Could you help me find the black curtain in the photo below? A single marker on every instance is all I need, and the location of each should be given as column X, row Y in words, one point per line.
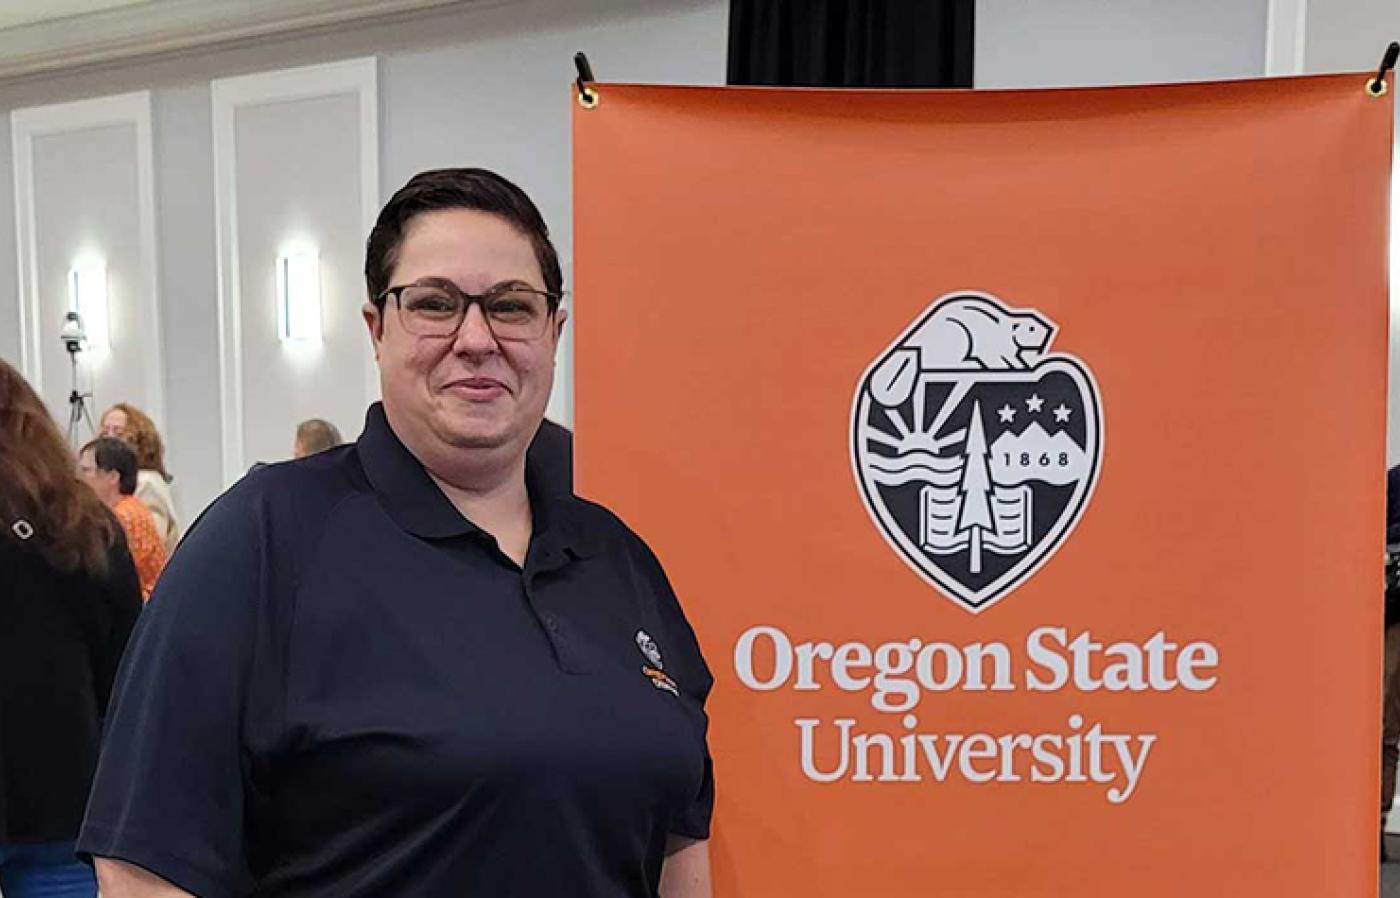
column 851, row 43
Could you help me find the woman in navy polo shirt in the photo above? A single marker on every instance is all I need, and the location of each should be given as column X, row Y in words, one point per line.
column 407, row 667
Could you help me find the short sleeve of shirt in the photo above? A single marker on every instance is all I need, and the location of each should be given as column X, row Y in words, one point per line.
column 693, row 676
column 171, row 789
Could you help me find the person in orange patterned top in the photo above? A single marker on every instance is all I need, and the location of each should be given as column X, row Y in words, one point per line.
column 109, row 467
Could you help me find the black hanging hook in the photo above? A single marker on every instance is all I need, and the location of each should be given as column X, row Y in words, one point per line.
column 587, row 96
column 1376, row 86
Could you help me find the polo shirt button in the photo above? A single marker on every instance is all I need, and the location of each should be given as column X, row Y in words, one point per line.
column 552, row 623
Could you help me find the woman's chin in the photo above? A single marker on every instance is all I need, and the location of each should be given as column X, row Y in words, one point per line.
column 472, row 432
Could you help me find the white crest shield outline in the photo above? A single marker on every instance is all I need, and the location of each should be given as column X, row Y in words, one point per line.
column 963, row 376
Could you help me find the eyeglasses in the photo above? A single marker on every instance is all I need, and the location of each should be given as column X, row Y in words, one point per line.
column 437, row 308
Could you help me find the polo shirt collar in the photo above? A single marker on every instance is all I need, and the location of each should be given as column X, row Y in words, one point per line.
column 559, row 523
column 416, row 504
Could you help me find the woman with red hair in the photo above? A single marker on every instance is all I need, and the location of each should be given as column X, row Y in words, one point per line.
column 134, row 427
column 69, row 597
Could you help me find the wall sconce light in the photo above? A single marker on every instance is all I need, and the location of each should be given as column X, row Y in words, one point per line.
column 299, row 296
column 87, row 295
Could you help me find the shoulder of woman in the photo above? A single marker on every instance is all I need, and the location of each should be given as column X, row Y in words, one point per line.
column 147, row 479
column 154, row 491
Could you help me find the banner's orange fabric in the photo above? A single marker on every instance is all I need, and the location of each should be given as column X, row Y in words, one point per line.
column 768, row 279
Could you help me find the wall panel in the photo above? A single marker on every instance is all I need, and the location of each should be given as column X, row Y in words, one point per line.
column 84, row 195
column 296, row 171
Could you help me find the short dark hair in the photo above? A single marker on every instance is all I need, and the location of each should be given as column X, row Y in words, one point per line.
column 456, row 188
column 111, row 454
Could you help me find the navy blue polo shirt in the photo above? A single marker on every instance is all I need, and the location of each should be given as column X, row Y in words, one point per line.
column 341, row 687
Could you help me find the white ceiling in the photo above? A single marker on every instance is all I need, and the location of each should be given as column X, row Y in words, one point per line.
column 23, row 12
column 39, row 37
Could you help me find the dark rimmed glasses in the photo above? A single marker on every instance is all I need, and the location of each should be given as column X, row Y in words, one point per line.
column 436, row 308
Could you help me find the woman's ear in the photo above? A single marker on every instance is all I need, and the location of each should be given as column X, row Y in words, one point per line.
column 374, row 323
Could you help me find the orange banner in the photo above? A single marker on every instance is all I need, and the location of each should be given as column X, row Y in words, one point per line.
column 1018, row 459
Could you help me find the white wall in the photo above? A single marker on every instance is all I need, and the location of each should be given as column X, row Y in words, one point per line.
column 185, row 211
column 85, row 197
column 296, row 172
column 1350, row 36
column 1045, row 43
column 9, row 299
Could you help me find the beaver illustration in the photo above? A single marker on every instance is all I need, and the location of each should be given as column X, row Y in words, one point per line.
column 970, row 332
column 963, row 333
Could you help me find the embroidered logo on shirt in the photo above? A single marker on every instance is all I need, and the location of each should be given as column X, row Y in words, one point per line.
column 661, row 681
column 649, row 649
column 653, row 670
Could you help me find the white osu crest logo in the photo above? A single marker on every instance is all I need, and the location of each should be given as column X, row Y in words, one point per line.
column 975, row 448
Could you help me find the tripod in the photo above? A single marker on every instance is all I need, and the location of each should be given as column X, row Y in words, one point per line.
column 77, row 401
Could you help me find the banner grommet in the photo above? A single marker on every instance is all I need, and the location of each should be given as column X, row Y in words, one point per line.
column 1377, row 86
column 587, row 94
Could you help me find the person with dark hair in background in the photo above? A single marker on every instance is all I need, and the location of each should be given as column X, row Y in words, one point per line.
column 315, row 435
column 406, row 666
column 1390, row 684
column 109, row 467
column 134, row 427
column 68, row 599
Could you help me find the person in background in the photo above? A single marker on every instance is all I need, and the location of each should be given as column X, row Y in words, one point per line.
column 68, row 600
column 315, row 435
column 1390, row 687
column 128, row 423
column 109, row 467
